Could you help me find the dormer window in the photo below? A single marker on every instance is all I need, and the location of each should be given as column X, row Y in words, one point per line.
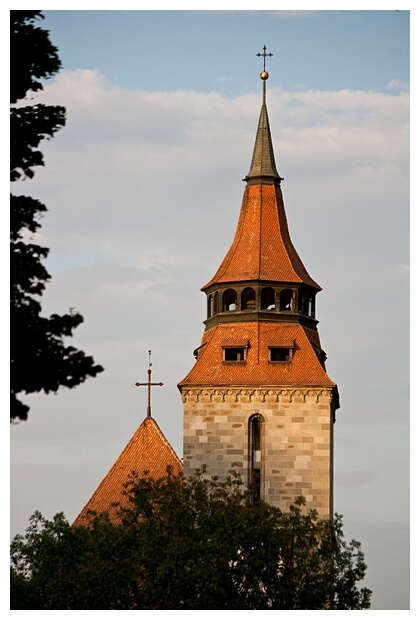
column 234, row 354
column 280, row 354
column 281, row 351
column 235, row 350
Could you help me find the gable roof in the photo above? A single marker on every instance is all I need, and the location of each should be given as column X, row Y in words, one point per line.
column 148, row 450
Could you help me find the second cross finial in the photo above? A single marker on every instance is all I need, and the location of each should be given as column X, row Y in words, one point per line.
column 149, row 385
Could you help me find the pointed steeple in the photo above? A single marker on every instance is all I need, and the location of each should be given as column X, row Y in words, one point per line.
column 263, row 164
column 262, row 252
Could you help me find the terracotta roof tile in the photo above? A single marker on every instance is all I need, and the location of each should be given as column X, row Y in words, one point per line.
column 148, row 450
column 262, row 248
column 304, row 369
column 235, row 342
column 280, row 342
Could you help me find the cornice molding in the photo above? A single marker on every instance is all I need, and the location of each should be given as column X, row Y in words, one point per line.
column 255, row 394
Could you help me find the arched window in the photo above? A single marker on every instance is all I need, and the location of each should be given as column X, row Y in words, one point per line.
column 311, row 307
column 286, row 297
column 255, row 434
column 268, row 301
column 209, row 306
column 248, row 299
column 229, row 300
column 303, row 303
column 216, row 303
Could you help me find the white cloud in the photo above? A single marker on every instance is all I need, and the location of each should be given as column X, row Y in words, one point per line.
column 134, row 148
column 397, row 85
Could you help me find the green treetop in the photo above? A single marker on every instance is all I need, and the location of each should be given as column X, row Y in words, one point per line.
column 189, row 544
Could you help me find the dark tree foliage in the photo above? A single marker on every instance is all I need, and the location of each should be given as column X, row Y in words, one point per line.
column 40, row 360
column 189, row 544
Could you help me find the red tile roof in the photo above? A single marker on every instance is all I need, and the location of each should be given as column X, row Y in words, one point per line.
column 148, row 450
column 262, row 248
column 305, row 368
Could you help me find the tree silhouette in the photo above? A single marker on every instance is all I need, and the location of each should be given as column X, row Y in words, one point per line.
column 189, row 544
column 40, row 360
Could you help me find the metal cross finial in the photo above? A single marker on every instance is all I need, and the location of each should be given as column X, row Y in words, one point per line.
column 264, row 54
column 149, row 385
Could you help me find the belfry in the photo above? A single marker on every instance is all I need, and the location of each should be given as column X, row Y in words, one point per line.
column 258, row 400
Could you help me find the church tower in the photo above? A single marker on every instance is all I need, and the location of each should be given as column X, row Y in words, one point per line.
column 258, row 400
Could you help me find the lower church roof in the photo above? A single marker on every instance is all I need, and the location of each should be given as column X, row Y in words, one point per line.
column 147, row 451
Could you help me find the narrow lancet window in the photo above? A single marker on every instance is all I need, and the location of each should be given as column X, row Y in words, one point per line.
column 255, row 455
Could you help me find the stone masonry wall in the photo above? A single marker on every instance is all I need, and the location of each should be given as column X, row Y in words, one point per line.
column 297, row 440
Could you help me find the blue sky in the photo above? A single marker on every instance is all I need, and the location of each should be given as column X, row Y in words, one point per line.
column 143, row 188
column 216, row 54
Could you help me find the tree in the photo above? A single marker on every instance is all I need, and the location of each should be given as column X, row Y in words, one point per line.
column 189, row 544
column 40, row 359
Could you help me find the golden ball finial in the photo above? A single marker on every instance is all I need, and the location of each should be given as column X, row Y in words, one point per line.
column 264, row 75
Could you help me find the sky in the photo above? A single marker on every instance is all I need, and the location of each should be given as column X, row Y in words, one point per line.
column 143, row 188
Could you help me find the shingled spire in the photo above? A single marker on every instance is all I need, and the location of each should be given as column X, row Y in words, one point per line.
column 262, row 252
column 263, row 165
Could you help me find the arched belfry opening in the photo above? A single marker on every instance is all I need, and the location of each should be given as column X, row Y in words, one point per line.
column 286, row 298
column 248, row 299
column 268, row 300
column 230, row 297
column 216, row 303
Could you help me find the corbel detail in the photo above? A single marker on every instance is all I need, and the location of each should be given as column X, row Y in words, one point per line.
column 254, row 393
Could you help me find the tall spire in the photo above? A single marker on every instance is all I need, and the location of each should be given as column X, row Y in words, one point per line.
column 262, row 250
column 263, row 165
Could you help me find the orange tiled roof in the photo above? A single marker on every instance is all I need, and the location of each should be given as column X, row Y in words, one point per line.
column 262, row 248
column 304, row 370
column 148, row 450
